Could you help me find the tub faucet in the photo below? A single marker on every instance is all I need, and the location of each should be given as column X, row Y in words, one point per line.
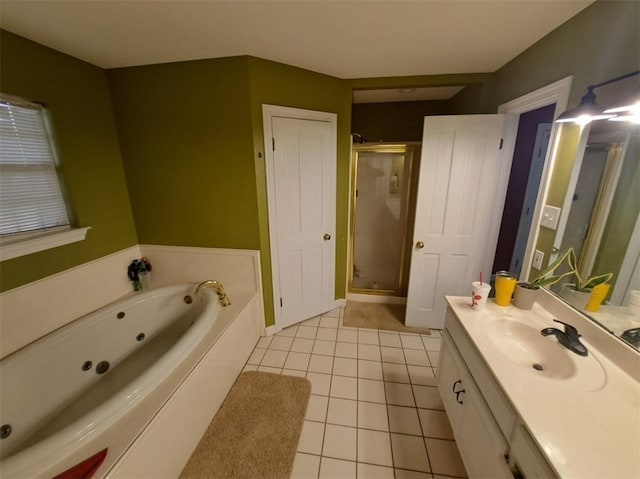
column 218, row 288
column 569, row 338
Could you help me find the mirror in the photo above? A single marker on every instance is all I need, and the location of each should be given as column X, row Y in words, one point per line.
column 599, row 217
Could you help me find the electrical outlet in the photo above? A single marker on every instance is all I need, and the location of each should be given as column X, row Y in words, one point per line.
column 538, row 258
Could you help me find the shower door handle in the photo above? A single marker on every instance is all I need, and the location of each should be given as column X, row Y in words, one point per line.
column 419, row 245
column 326, row 237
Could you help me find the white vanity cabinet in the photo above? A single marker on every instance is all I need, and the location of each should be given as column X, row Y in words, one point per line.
column 492, row 441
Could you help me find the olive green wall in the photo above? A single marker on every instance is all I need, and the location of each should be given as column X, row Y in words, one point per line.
column 278, row 84
column 76, row 95
column 599, row 43
column 186, row 140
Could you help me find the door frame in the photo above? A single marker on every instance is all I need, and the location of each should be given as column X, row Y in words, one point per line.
column 557, row 92
column 269, row 112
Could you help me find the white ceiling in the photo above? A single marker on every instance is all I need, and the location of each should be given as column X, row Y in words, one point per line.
column 346, row 39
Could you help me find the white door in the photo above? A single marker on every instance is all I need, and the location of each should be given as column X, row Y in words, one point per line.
column 461, row 194
column 302, row 217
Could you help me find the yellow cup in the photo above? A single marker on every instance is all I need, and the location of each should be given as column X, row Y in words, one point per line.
column 505, row 285
column 597, row 297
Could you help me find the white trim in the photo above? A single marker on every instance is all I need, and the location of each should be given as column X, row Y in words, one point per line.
column 629, row 268
column 340, row 303
column 268, row 112
column 270, row 330
column 558, row 93
column 24, row 244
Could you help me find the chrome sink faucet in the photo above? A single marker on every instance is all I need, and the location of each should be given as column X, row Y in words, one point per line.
column 218, row 288
column 569, row 338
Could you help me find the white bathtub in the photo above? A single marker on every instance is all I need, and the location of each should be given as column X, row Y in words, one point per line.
column 61, row 411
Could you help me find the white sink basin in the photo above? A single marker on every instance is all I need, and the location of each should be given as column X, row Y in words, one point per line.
column 543, row 357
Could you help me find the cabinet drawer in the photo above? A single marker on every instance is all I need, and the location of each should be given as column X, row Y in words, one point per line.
column 500, row 407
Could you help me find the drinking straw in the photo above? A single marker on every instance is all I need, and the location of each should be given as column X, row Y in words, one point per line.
column 480, row 278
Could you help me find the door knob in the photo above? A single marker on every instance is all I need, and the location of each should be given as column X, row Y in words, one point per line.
column 327, row 236
column 419, row 245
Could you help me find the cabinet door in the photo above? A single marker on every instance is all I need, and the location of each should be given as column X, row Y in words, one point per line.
column 479, row 439
column 450, row 373
column 481, row 444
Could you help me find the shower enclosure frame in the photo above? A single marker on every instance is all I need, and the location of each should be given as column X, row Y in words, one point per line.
column 411, row 150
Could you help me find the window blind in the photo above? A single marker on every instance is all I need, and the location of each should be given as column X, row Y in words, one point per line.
column 30, row 195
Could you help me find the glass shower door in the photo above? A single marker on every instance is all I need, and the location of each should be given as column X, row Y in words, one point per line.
column 380, row 217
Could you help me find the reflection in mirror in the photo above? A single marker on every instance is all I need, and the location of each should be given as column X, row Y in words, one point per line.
column 600, row 220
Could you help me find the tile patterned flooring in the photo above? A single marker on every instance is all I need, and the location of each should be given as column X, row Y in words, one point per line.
column 374, row 411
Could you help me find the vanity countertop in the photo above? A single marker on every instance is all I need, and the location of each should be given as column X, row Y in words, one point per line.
column 587, row 423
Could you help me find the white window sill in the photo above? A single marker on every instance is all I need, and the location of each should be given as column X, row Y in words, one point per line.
column 24, row 244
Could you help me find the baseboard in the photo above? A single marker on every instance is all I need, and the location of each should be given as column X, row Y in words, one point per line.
column 270, row 330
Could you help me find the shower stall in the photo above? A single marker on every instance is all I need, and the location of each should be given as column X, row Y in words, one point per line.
column 382, row 211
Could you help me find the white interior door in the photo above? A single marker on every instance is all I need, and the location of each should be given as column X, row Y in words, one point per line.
column 302, row 216
column 461, row 194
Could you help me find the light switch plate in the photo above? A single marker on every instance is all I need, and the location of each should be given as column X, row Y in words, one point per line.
column 538, row 258
column 550, row 217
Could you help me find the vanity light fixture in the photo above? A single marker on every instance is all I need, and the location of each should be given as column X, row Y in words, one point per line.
column 589, row 110
column 626, row 113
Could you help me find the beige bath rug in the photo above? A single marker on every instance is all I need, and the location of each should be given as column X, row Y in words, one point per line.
column 378, row 316
column 256, row 431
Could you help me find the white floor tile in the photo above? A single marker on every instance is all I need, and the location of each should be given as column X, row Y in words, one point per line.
column 404, row 420
column 327, row 334
column 339, row 442
column 399, row 394
column 320, row 383
column 305, row 466
column 256, row 356
column 374, row 447
column 311, row 437
column 421, row 375
column 369, row 369
column 302, row 345
column 411, row 342
column 373, row 416
column 417, row 357
column 395, row 372
column 445, row 458
column 298, row 361
column 317, row 408
column 393, row 355
column 371, row 390
column 337, row 469
column 329, row 321
column 294, row 372
column 434, row 357
column 308, row 332
column 274, row 358
column 269, row 369
column 390, row 339
column 348, row 335
column 334, row 313
column 288, row 332
column 315, row 321
column 346, row 350
column 370, row 352
column 345, row 367
column 326, row 348
column 321, row 364
column 342, row 412
column 281, row 343
column 432, row 343
column 404, row 474
column 435, row 424
column 344, row 387
column 369, row 471
column 427, row 397
column 409, row 452
column 368, row 337
column 264, row 342
column 250, row 367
